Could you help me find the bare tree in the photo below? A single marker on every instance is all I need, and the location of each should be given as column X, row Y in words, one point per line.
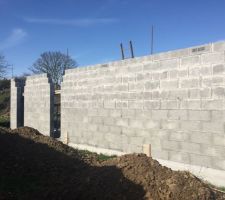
column 53, row 63
column 3, row 66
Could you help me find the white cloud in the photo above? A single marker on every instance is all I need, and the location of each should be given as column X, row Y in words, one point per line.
column 72, row 22
column 16, row 37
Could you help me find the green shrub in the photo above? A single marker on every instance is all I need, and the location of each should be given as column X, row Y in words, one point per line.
column 4, row 121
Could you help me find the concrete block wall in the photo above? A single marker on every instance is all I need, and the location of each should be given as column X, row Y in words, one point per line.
column 174, row 101
column 16, row 103
column 38, row 103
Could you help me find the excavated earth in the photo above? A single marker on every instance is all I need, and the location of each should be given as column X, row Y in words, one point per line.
column 33, row 166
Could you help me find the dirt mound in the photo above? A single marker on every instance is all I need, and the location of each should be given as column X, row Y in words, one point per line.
column 161, row 182
column 34, row 166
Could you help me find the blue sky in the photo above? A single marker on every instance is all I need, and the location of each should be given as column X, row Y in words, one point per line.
column 93, row 29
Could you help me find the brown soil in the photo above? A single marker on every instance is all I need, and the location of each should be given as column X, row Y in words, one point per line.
column 33, row 166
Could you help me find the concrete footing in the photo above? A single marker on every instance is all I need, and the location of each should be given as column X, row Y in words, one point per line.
column 213, row 176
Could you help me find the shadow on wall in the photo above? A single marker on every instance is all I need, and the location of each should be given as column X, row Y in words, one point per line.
column 30, row 170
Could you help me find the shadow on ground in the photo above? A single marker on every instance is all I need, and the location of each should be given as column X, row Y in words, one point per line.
column 31, row 170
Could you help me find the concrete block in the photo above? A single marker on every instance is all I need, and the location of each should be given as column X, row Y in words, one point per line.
column 178, row 114
column 164, row 94
column 218, row 80
column 191, row 104
column 136, row 86
column 189, row 147
column 135, row 104
column 140, row 76
column 147, row 76
column 164, row 75
column 171, row 64
column 121, row 104
column 136, row 123
column 97, row 120
column 155, row 76
column 213, row 127
column 190, row 126
column 171, row 84
column 218, row 140
column 218, row 92
column 122, row 122
column 173, row 74
column 128, row 113
column 170, row 145
column 201, row 138
column 194, row 93
column 92, row 127
column 150, row 124
column 159, row 114
column 103, row 112
column 127, row 132
column 137, row 141
column 215, row 151
column 151, row 66
column 115, row 113
column 217, row 115
column 213, row 58
column 151, row 85
column 206, row 70
column 179, row 136
column 183, row 73
column 128, row 79
column 92, row 112
column 190, row 61
column 178, row 156
column 218, row 164
column 194, row 71
column 153, row 104
column 169, row 104
column 189, row 83
column 155, row 95
column 135, row 68
column 147, row 95
column 212, row 104
column 199, row 115
column 116, row 130
column 205, row 93
column 109, row 104
column 201, row 160
column 109, row 121
column 219, row 69
column 103, row 129
column 143, row 114
column 121, row 87
column 178, row 94
column 170, row 125
column 171, row 54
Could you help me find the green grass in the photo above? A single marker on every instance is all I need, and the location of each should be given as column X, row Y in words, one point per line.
column 103, row 157
column 221, row 188
column 4, row 121
column 100, row 157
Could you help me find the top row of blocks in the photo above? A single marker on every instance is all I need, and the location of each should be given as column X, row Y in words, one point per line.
column 197, row 50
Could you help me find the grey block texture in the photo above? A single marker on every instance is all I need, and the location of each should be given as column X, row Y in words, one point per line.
column 38, row 103
column 173, row 101
column 16, row 103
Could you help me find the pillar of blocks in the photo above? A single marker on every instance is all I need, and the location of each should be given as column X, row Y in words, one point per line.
column 16, row 103
column 39, row 103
